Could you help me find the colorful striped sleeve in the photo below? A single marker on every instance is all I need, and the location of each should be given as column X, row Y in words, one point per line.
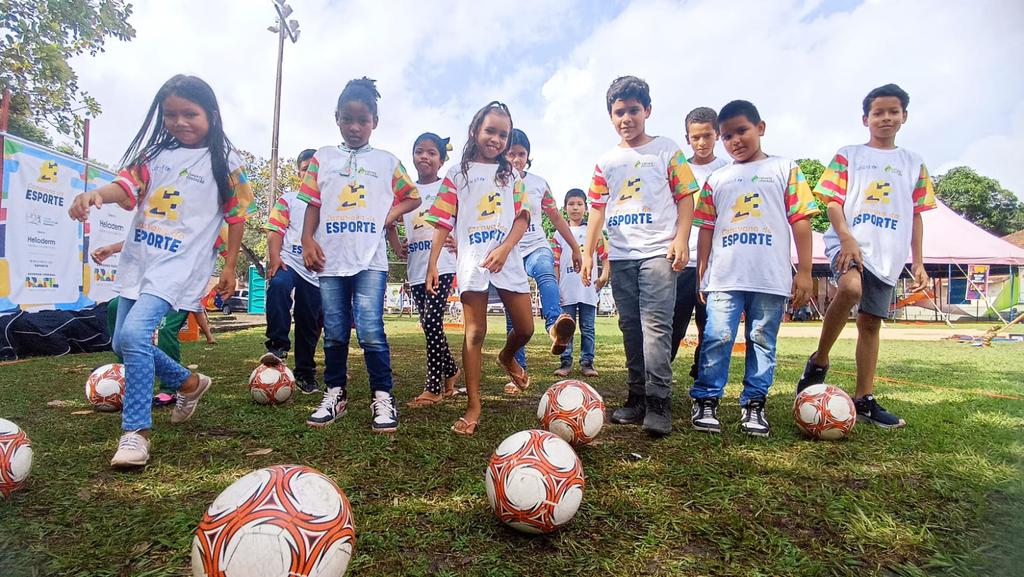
column 924, row 192
column 239, row 205
column 556, row 247
column 520, row 198
column 309, row 192
column 602, row 247
column 547, row 202
column 598, row 189
column 681, row 180
column 402, row 185
column 442, row 213
column 134, row 179
column 799, row 199
column 832, row 184
column 221, row 244
column 705, row 215
column 280, row 217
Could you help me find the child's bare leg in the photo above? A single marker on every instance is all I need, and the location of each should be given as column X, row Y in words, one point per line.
column 519, row 310
column 868, row 328
column 837, row 314
column 474, row 312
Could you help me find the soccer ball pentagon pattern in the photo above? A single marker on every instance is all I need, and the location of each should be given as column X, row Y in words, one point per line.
column 15, row 457
column 534, row 481
column 824, row 412
column 271, row 385
column 104, row 389
column 280, row 521
column 573, row 410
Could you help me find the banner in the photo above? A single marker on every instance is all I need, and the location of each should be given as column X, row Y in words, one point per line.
column 977, row 285
column 106, row 225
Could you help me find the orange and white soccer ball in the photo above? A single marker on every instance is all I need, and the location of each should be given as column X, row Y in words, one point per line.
column 281, row 521
column 824, row 412
column 534, row 481
column 15, row 457
column 573, row 410
column 104, row 389
column 271, row 385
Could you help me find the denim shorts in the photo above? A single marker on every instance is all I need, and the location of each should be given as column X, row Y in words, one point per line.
column 875, row 294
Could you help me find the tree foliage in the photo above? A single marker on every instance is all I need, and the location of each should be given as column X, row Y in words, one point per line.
column 981, row 200
column 812, row 170
column 37, row 38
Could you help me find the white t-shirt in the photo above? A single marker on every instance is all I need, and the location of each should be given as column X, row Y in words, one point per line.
column 419, row 235
column 639, row 188
column 286, row 219
column 570, row 283
column 701, row 172
column 481, row 211
column 880, row 191
column 750, row 208
column 354, row 189
column 540, row 200
column 169, row 251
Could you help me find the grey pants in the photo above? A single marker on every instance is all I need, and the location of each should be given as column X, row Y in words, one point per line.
column 645, row 295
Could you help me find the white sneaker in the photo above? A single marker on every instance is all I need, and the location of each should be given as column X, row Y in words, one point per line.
column 333, row 407
column 385, row 413
column 185, row 404
column 132, row 451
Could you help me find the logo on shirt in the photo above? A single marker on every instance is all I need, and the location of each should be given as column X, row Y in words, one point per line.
column 363, row 172
column 351, row 196
column 420, row 221
column 48, row 171
column 192, row 177
column 489, row 205
column 764, row 179
column 878, row 192
column 746, row 205
column 629, row 189
column 164, row 203
column 892, row 170
column 643, row 164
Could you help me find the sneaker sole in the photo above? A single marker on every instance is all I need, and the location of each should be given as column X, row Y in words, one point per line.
column 388, row 430
column 177, row 419
column 863, row 419
column 757, row 433
column 128, row 464
column 615, row 421
column 707, row 428
column 309, row 392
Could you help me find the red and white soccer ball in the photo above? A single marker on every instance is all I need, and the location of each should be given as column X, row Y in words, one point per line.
column 573, row 410
column 15, row 457
column 104, row 389
column 824, row 412
column 271, row 385
column 281, row 521
column 534, row 481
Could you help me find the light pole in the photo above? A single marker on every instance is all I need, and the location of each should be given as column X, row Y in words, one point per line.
column 281, row 28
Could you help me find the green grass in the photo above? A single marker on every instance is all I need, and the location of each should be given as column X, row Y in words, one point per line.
column 942, row 497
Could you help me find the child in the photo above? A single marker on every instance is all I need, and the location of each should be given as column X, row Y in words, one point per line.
column 287, row 273
column 745, row 213
column 429, row 153
column 875, row 194
column 538, row 259
column 640, row 184
column 484, row 202
column 701, row 134
column 190, row 179
column 353, row 192
column 578, row 300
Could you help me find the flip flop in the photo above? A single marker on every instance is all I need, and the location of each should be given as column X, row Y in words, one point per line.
column 468, row 428
column 421, row 401
column 456, row 392
column 517, row 383
column 561, row 333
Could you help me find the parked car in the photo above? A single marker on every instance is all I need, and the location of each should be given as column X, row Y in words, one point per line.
column 238, row 302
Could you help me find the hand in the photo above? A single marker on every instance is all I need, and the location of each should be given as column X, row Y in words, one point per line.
column 450, row 244
column 802, row 286
column 102, row 253
column 226, row 285
column 921, row 279
column 402, row 250
column 83, row 202
column 577, row 258
column 599, row 284
column 495, row 260
column 275, row 264
column 678, row 253
column 432, row 280
column 585, row 268
column 849, row 256
column 702, row 297
column 312, row 255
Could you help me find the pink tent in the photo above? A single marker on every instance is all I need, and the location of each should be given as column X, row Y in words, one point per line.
column 817, row 249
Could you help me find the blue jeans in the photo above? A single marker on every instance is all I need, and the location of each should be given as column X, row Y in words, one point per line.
column 133, row 341
column 584, row 315
column 359, row 297
column 763, row 317
column 540, row 266
column 308, row 315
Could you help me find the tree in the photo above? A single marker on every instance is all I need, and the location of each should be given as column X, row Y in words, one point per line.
column 813, row 170
column 981, row 200
column 37, row 38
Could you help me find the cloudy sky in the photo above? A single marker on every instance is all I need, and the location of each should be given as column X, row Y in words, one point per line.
column 805, row 64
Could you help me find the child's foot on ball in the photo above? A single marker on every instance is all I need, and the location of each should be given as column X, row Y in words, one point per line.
column 186, row 402
column 274, row 357
column 132, row 451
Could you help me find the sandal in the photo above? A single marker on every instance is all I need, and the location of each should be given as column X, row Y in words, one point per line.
column 468, row 428
column 450, row 390
column 421, row 401
column 561, row 333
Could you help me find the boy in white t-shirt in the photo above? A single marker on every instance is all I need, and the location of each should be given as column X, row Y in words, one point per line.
column 745, row 214
column 578, row 301
column 287, row 273
column 875, row 194
column 701, row 134
column 641, row 185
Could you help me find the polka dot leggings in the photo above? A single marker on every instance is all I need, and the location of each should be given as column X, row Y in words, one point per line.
column 440, row 363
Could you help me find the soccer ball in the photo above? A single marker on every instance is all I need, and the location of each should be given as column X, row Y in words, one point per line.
column 104, row 389
column 281, row 521
column 824, row 412
column 534, row 482
column 15, row 457
column 271, row 385
column 573, row 410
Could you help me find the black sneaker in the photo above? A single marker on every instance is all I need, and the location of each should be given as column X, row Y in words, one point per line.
column 632, row 413
column 307, row 384
column 333, row 407
column 385, row 413
column 704, row 415
column 658, row 418
column 753, row 421
column 813, row 375
column 274, row 357
column 869, row 411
